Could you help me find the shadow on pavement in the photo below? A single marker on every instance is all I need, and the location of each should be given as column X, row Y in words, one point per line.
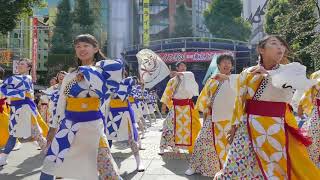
column 121, row 145
column 26, row 168
column 128, row 176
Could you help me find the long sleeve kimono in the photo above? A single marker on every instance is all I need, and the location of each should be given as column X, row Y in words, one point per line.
column 182, row 124
column 121, row 121
column 310, row 103
column 137, row 95
column 150, row 102
column 267, row 143
column 52, row 94
column 24, row 116
column 211, row 147
column 136, row 105
column 308, row 97
column 74, row 149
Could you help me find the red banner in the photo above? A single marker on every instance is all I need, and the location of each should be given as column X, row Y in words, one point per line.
column 204, row 56
column 34, row 48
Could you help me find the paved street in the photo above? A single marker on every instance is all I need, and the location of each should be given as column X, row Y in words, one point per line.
column 25, row 164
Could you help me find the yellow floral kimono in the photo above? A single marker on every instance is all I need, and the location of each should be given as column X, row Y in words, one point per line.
column 211, row 147
column 182, row 124
column 267, row 143
column 307, row 100
column 310, row 103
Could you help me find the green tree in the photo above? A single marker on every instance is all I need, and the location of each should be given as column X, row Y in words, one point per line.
column 83, row 18
column 313, row 49
column 223, row 19
column 183, row 26
column 11, row 12
column 62, row 33
column 276, row 9
column 297, row 25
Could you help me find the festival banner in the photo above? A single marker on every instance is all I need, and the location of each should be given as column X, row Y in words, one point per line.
column 146, row 23
column 203, row 56
column 152, row 69
column 34, row 48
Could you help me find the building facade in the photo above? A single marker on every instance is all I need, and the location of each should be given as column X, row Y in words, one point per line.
column 254, row 12
column 100, row 12
column 121, row 25
column 18, row 42
column 162, row 17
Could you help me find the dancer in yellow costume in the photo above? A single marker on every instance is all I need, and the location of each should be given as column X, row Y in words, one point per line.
column 265, row 141
column 216, row 102
column 4, row 116
column 182, row 125
column 310, row 105
column 4, row 123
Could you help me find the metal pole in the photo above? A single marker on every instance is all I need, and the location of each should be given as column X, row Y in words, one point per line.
column 235, row 58
column 8, row 40
column 21, row 38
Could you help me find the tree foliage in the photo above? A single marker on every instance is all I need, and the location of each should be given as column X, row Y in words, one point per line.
column 183, row 20
column 83, row 18
column 62, row 32
column 11, row 12
column 223, row 19
column 276, row 9
column 296, row 21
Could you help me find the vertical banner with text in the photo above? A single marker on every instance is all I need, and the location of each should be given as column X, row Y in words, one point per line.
column 146, row 23
column 34, row 48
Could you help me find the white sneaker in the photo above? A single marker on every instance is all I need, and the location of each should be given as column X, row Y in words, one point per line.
column 189, row 172
column 140, row 168
column 17, row 146
column 3, row 159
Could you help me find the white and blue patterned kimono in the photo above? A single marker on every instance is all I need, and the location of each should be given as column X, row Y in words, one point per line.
column 137, row 105
column 74, row 149
column 150, row 102
column 153, row 100
column 121, row 115
column 145, row 106
column 52, row 94
column 23, row 108
column 137, row 94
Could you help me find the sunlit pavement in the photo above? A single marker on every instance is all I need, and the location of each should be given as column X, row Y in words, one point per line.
column 26, row 163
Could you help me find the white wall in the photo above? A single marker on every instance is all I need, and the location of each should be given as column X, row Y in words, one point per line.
column 250, row 6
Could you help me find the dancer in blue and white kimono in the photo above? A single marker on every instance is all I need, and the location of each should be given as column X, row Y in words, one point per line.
column 121, row 121
column 137, row 94
column 44, row 100
column 144, row 103
column 151, row 105
column 80, row 145
column 137, row 108
column 52, row 94
column 18, row 89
